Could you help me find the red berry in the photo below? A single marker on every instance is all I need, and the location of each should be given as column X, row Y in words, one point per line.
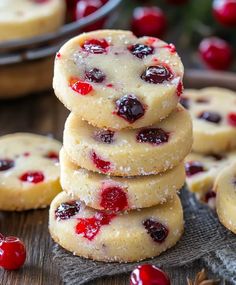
column 6, row 164
column 88, row 7
column 32, row 177
column 102, row 165
column 225, row 12
column 216, row 53
column 83, row 88
column 149, row 21
column 114, row 198
column 232, row 119
column 53, row 155
column 148, row 274
column 95, row 46
column 12, row 253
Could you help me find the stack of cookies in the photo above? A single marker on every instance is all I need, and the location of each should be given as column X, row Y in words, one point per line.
column 124, row 145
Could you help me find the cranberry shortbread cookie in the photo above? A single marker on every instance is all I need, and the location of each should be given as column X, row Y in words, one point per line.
column 129, row 152
column 118, row 194
column 202, row 170
column 114, row 80
column 29, row 171
column 28, row 18
column 213, row 112
column 225, row 188
column 120, row 237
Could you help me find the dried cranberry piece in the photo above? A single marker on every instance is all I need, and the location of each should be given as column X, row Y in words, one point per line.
column 53, row 155
column 209, row 195
column 156, row 230
column 83, row 88
column 129, row 108
column 6, row 164
column 212, row 117
column 184, row 101
column 140, row 50
column 113, row 198
column 202, row 101
column 105, row 136
column 232, row 119
column 153, row 136
column 32, row 177
column 96, row 46
column 156, row 74
column 95, row 75
column 217, row 157
column 67, row 210
column 102, row 165
column 193, row 167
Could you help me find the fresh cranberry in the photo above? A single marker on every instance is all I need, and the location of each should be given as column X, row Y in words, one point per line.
column 95, row 75
column 156, row 74
column 83, row 88
column 149, row 21
column 212, row 117
column 232, row 119
column 156, row 230
column 180, row 88
column 104, row 136
column 6, row 164
column 210, row 195
column 67, row 210
column 177, row 2
column 225, row 12
column 184, row 101
column 193, row 167
column 32, row 177
column 52, row 155
column 154, row 136
column 140, row 50
column 96, row 46
column 12, row 253
column 216, row 53
column 148, row 274
column 102, row 165
column 114, row 198
column 90, row 227
column 129, row 108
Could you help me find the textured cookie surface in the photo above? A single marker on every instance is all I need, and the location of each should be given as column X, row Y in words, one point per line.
column 129, row 152
column 225, row 188
column 29, row 171
column 123, row 237
column 114, row 80
column 214, row 119
column 202, row 170
column 117, row 194
column 28, row 18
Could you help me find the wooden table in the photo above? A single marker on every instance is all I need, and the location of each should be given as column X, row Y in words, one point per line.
column 44, row 114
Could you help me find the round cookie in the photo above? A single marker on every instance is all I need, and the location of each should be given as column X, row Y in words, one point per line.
column 114, row 80
column 129, row 152
column 29, row 171
column 13, row 81
column 214, row 119
column 28, row 18
column 119, row 194
column 119, row 237
column 225, row 187
column 202, row 170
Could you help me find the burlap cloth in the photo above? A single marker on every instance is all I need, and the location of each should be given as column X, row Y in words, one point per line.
column 204, row 238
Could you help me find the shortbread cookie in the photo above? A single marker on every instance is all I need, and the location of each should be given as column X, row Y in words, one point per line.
column 225, row 188
column 214, row 119
column 13, row 81
column 117, row 194
column 28, row 18
column 120, row 237
column 202, row 170
column 114, row 80
column 129, row 152
column 29, row 171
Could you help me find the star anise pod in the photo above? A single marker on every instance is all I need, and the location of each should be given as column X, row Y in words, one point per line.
column 202, row 279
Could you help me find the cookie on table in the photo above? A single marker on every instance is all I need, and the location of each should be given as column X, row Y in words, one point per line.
column 115, row 80
column 214, row 118
column 29, row 171
column 28, row 18
column 128, row 152
column 225, row 187
column 202, row 170
column 119, row 237
column 118, row 194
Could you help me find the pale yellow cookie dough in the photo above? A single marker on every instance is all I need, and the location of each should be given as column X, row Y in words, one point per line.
column 29, row 171
column 113, row 193
column 122, row 77
column 212, row 137
column 225, row 187
column 126, row 156
column 28, row 18
column 122, row 238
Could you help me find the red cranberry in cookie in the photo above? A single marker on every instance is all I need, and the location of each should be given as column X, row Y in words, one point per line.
column 6, row 164
column 153, row 136
column 104, row 136
column 95, row 75
column 141, row 50
column 96, row 46
column 156, row 230
column 156, row 74
column 113, row 198
column 67, row 210
column 103, row 165
column 231, row 118
column 193, row 167
column 32, row 177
